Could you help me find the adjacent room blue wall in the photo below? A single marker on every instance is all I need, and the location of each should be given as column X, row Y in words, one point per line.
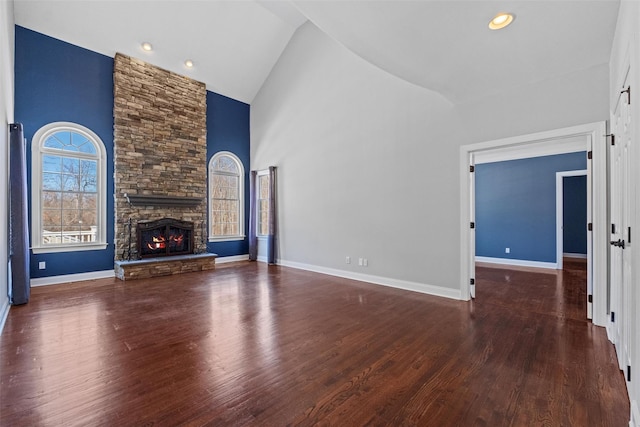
column 58, row 81
column 228, row 130
column 575, row 214
column 516, row 206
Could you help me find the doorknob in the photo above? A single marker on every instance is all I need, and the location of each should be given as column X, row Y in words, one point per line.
column 619, row 243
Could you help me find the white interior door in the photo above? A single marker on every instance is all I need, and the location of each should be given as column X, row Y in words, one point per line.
column 615, row 261
column 622, row 317
column 472, row 233
column 625, row 148
column 589, row 225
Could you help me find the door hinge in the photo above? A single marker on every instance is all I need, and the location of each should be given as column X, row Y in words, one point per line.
column 613, row 229
column 628, row 373
column 590, row 298
column 589, row 155
column 472, row 225
column 629, row 235
column 628, row 92
column 613, row 316
column 472, row 281
column 472, row 168
column 590, row 227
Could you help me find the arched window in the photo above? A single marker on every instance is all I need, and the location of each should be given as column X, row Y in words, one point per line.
column 226, row 197
column 68, row 189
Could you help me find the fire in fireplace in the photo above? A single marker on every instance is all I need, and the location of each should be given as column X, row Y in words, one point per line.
column 164, row 237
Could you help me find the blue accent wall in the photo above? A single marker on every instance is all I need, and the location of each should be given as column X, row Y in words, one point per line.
column 56, row 81
column 516, row 206
column 574, row 213
column 228, row 130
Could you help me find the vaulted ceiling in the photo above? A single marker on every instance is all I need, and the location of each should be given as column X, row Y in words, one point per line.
column 443, row 46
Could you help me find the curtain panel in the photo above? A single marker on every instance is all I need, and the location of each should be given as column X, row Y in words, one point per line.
column 19, row 274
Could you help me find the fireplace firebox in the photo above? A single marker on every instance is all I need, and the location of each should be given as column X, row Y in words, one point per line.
column 164, row 237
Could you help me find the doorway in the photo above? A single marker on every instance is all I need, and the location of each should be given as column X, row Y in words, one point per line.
column 571, row 215
column 572, row 235
column 588, row 138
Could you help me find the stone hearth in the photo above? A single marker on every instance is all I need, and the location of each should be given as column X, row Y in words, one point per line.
column 166, row 266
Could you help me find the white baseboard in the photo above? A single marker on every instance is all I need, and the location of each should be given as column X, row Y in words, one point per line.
column 517, row 262
column 377, row 280
column 4, row 313
column 635, row 414
column 263, row 259
column 609, row 330
column 234, row 258
column 65, row 278
column 570, row 255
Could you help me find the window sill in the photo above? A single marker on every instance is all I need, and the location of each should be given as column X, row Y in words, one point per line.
column 226, row 238
column 68, row 248
column 262, row 237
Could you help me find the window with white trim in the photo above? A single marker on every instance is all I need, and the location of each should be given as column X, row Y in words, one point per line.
column 262, row 203
column 226, row 197
column 68, row 185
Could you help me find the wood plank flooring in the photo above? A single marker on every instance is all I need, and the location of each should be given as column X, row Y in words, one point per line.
column 251, row 344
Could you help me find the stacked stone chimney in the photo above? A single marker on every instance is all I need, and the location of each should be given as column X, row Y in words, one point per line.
column 160, row 148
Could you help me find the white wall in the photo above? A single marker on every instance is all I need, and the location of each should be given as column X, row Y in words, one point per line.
column 356, row 150
column 6, row 117
column 626, row 41
column 368, row 164
column 573, row 99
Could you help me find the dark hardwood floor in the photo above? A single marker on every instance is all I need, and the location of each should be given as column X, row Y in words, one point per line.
column 255, row 345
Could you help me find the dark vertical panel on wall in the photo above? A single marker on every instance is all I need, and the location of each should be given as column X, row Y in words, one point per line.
column 228, row 130
column 56, row 81
column 516, row 206
column 575, row 215
column 19, row 286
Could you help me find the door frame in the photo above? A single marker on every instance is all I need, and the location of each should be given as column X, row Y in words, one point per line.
column 587, row 137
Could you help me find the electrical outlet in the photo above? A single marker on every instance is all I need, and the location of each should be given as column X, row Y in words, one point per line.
column 507, row 250
column 42, row 265
column 365, row 262
column 360, row 261
column 348, row 260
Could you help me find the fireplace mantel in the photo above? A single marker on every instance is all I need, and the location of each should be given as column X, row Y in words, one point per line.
column 154, row 200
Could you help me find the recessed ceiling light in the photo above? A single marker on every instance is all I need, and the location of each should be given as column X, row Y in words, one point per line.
column 188, row 63
column 147, row 46
column 501, row 20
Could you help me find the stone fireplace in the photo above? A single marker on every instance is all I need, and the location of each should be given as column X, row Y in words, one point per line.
column 160, row 156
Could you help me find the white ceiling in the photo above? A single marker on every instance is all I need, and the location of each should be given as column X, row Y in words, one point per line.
column 444, row 45
column 233, row 44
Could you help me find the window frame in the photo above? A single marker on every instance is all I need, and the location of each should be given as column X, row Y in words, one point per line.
column 241, row 198
column 37, row 152
column 261, row 173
